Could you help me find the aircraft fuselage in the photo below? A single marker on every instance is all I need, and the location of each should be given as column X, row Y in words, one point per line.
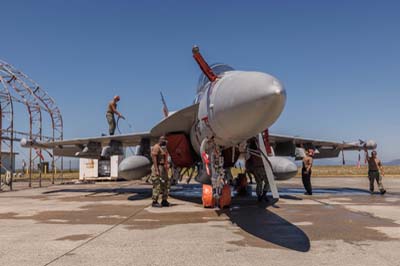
column 236, row 107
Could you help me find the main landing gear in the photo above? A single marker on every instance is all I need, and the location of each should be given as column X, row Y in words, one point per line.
column 219, row 192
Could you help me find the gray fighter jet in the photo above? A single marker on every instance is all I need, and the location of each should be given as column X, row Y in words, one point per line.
column 230, row 107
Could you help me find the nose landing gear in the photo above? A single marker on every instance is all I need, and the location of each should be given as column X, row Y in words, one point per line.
column 219, row 192
column 209, row 201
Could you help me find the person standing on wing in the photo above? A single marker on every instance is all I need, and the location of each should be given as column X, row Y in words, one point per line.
column 111, row 110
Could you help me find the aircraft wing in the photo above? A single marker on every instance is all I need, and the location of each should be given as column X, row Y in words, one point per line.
column 125, row 139
column 88, row 147
column 94, row 147
column 288, row 146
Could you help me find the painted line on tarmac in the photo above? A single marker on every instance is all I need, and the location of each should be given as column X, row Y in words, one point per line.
column 97, row 236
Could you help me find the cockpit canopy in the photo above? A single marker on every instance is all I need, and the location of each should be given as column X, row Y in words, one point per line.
column 218, row 69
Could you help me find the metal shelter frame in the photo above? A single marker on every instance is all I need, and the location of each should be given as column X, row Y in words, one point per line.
column 17, row 87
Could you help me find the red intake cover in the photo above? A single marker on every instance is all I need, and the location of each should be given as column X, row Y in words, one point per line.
column 178, row 147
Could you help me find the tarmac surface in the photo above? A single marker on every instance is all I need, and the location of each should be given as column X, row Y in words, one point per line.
column 113, row 224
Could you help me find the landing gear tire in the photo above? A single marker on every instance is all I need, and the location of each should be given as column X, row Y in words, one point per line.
column 209, row 201
column 207, row 197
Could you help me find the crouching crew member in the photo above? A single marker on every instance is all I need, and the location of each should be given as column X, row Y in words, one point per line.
column 159, row 176
column 255, row 166
column 306, row 171
column 375, row 172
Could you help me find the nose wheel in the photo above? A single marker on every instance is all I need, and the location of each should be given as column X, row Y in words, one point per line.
column 210, row 201
column 219, row 192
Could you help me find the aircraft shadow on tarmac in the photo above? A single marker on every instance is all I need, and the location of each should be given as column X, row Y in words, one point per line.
column 255, row 219
column 258, row 221
column 138, row 193
column 252, row 217
column 326, row 191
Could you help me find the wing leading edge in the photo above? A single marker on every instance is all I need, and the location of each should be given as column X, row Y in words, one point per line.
column 289, row 145
column 93, row 147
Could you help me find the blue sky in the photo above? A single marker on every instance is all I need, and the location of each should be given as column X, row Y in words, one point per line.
column 339, row 60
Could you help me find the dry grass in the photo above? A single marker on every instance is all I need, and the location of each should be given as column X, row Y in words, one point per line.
column 337, row 171
column 343, row 170
column 35, row 176
column 350, row 170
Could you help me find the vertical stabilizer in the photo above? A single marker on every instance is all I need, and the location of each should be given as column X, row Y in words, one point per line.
column 165, row 107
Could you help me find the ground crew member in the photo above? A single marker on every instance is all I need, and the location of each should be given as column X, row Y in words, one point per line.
column 375, row 172
column 111, row 110
column 23, row 167
column 159, row 177
column 255, row 166
column 306, row 171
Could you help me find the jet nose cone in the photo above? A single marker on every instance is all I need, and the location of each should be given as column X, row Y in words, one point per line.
column 278, row 88
column 262, row 89
column 246, row 103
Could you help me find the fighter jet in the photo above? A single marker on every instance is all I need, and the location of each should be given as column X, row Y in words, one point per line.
column 230, row 107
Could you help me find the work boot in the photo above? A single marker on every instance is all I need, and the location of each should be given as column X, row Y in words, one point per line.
column 155, row 204
column 259, row 198
column 266, row 199
column 383, row 191
column 264, row 196
column 165, row 203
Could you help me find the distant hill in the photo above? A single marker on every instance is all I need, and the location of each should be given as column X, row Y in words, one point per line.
column 394, row 162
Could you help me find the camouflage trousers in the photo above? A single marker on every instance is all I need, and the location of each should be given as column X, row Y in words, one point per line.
column 261, row 180
column 111, row 123
column 161, row 183
column 375, row 176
